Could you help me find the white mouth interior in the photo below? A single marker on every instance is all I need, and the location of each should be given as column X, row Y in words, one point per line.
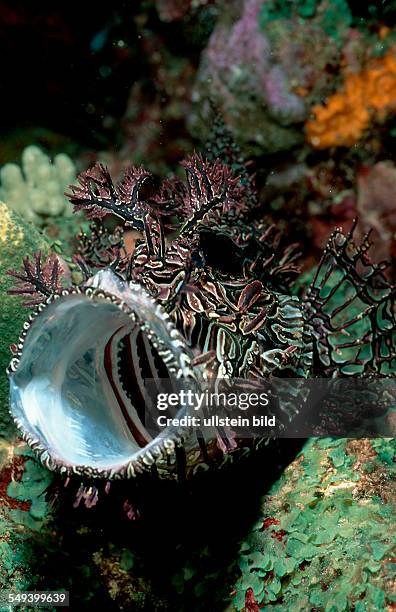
column 61, row 395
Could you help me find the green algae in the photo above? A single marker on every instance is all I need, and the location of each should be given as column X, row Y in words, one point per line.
column 276, row 9
column 333, row 16
column 326, row 534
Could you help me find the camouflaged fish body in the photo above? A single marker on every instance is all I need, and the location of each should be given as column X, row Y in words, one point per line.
column 205, row 295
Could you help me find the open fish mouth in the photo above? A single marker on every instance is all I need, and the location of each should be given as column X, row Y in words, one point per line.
column 77, row 382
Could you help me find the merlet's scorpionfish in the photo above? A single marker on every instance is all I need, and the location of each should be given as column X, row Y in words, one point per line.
column 204, row 295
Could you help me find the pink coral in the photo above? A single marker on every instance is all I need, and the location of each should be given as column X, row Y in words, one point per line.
column 241, row 56
column 263, row 78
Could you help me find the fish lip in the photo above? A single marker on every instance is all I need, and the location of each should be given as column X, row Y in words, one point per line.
column 158, row 449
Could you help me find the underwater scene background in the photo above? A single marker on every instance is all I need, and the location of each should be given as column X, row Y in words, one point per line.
column 289, row 108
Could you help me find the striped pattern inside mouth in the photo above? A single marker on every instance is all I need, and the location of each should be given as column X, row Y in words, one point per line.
column 136, row 374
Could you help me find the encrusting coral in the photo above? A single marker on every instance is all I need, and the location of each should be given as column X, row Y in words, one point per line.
column 24, row 514
column 36, row 190
column 324, row 539
column 366, row 96
column 16, row 235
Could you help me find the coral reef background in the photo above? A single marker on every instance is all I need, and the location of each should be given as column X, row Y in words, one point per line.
column 308, row 90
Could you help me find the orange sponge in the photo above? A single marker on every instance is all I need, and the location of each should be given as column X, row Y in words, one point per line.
column 365, row 96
